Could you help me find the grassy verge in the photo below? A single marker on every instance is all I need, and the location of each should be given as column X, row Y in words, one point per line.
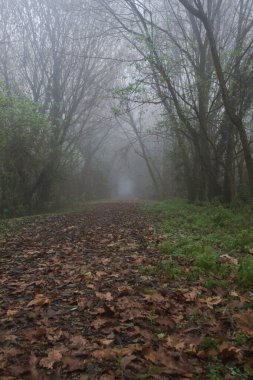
column 216, row 242
column 207, row 252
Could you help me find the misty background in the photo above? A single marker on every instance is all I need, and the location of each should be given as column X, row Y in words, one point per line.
column 124, row 99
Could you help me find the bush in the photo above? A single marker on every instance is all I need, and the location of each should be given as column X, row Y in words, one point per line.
column 25, row 153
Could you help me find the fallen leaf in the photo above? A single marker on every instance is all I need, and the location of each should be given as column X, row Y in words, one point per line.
column 229, row 259
column 99, row 322
column 33, row 361
column 100, row 273
column 106, row 342
column 35, row 335
column 154, row 297
column 104, row 296
column 106, row 354
column 127, row 360
column 11, row 351
column 39, row 300
column 73, row 364
column 53, row 357
column 228, row 351
column 79, row 345
column 107, row 377
column 244, row 322
column 192, row 295
column 211, row 301
column 175, row 365
column 18, row 370
column 12, row 312
column 175, row 342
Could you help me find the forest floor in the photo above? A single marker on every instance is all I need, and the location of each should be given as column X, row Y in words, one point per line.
column 97, row 295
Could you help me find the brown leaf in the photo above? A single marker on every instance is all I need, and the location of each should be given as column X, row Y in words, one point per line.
column 211, row 301
column 35, row 335
column 173, row 341
column 106, row 353
column 104, row 296
column 11, row 351
column 3, row 362
column 8, row 337
column 175, row 365
column 127, row 360
column 12, row 312
column 192, row 295
column 105, row 261
column 53, row 334
column 90, row 286
column 107, row 377
column 39, row 300
column 208, row 353
column 244, row 322
column 79, row 344
column 78, row 341
column 18, row 370
column 228, row 351
column 125, row 290
column 106, row 342
column 229, row 259
column 99, row 322
column 166, row 322
column 82, row 303
column 73, row 364
column 100, row 273
column 53, row 357
column 154, row 297
column 33, row 361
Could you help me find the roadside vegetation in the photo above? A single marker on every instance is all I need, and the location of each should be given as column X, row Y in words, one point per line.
column 207, row 254
column 209, row 243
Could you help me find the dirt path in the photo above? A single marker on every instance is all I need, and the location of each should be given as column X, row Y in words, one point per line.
column 81, row 298
column 72, row 301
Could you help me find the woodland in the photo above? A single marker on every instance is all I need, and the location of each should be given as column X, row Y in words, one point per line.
column 91, row 92
column 126, row 189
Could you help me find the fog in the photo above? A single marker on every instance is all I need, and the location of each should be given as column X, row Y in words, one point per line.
column 124, row 99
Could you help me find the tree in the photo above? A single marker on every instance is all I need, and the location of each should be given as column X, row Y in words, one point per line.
column 52, row 56
column 244, row 27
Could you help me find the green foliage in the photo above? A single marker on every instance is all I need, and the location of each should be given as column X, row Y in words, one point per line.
column 25, row 137
column 245, row 274
column 211, row 283
column 243, row 240
column 240, row 338
column 207, row 259
column 209, row 342
column 216, row 371
column 170, row 267
column 148, row 270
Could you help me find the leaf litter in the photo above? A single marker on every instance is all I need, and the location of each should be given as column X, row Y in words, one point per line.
column 75, row 304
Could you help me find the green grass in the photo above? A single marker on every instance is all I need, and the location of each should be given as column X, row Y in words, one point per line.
column 198, row 236
column 240, row 338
